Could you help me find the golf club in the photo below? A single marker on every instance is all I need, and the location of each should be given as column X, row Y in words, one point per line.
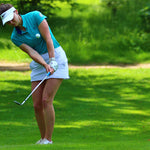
column 33, row 90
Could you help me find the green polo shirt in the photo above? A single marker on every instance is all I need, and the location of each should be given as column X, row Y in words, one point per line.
column 32, row 36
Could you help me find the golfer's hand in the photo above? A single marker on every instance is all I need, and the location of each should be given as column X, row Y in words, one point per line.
column 49, row 69
column 53, row 64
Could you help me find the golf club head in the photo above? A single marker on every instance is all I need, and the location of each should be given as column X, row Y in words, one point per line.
column 17, row 103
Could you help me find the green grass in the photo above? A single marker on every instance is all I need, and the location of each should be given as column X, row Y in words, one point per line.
column 92, row 34
column 104, row 109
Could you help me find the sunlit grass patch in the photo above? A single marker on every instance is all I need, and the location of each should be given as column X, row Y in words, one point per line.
column 131, row 110
column 13, row 123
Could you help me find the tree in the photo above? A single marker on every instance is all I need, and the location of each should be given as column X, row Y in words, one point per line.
column 45, row 6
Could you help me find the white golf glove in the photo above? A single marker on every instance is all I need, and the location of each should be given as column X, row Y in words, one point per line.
column 53, row 63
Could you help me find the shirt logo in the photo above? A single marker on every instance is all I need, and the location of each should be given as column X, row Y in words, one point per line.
column 2, row 16
column 41, row 15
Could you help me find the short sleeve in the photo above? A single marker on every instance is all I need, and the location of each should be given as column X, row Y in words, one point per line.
column 39, row 17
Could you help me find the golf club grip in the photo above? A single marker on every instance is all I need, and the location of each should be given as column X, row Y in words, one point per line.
column 36, row 87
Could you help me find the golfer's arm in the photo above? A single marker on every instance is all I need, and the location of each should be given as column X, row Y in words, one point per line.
column 44, row 30
column 33, row 54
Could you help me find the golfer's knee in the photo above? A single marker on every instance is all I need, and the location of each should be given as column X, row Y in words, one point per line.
column 38, row 107
column 47, row 101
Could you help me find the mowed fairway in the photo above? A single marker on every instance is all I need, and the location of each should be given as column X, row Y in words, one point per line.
column 96, row 109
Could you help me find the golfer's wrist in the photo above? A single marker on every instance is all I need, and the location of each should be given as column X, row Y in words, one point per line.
column 52, row 59
column 44, row 65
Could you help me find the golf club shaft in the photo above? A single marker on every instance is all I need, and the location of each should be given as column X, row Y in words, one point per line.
column 35, row 88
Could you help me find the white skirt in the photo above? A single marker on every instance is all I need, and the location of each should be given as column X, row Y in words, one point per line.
column 39, row 72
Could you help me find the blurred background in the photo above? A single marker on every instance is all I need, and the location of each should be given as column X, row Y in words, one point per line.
column 92, row 32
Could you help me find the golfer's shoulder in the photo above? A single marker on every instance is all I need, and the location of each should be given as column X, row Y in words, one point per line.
column 32, row 14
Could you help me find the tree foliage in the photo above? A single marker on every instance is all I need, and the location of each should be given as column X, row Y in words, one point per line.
column 145, row 17
column 25, row 6
column 114, row 5
column 45, row 6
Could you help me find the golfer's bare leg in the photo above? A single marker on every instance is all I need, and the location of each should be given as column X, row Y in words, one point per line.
column 38, row 107
column 49, row 92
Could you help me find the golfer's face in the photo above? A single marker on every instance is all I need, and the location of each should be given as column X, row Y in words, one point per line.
column 15, row 21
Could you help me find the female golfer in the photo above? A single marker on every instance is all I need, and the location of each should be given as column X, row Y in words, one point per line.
column 33, row 35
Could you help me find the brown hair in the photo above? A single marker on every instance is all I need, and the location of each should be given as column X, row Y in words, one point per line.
column 4, row 7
